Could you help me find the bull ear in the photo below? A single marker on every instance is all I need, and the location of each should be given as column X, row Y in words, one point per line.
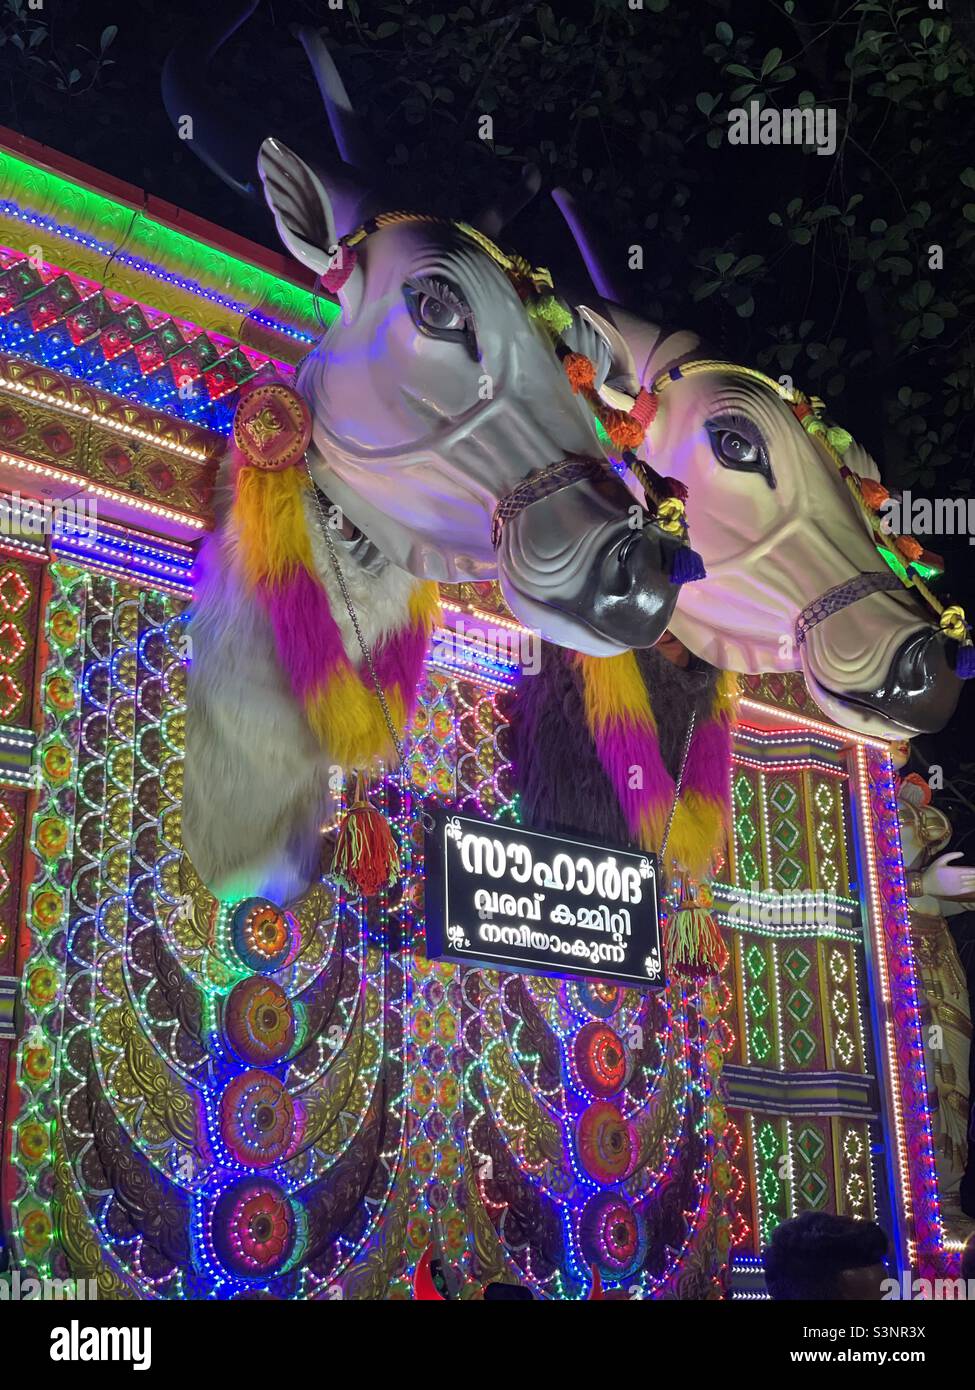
column 622, row 373
column 303, row 212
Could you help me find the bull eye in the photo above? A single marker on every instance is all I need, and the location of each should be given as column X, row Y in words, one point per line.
column 440, row 311
column 737, row 443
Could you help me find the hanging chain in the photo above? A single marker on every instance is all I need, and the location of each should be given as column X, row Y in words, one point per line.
column 344, row 588
column 677, row 785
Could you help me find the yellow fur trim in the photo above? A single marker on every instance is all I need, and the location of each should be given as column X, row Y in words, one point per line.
column 614, row 690
column 699, row 828
column 726, row 695
column 425, row 604
column 348, row 720
column 270, row 518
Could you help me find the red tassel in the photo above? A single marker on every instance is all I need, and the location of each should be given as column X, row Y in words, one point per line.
column 692, row 942
column 366, row 858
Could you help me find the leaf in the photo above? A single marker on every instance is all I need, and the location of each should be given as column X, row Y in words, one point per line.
column 705, row 103
column 968, row 177
column 926, row 27
column 771, row 60
column 436, row 22
column 931, row 325
column 747, row 264
column 724, row 31
column 724, row 261
column 737, row 70
column 387, row 27
column 108, row 35
column 746, row 308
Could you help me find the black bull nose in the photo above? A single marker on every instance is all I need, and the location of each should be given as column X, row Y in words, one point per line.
column 627, row 597
column 921, row 689
column 588, row 553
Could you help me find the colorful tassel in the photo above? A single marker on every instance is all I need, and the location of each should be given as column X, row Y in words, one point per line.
column 909, row 547
column 692, row 942
column 873, row 492
column 341, row 267
column 366, row 858
column 686, row 566
column 965, row 663
column 548, row 312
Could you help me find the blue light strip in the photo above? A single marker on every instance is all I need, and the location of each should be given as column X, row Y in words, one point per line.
column 8, row 208
column 114, row 550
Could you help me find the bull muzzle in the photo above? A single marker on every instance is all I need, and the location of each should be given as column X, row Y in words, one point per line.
column 583, row 564
column 921, row 689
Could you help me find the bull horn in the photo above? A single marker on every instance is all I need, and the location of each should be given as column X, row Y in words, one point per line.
column 507, row 204
column 225, row 139
column 228, row 140
column 350, row 135
column 586, row 242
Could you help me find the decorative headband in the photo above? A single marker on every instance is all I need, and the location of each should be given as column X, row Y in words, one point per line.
column 529, row 279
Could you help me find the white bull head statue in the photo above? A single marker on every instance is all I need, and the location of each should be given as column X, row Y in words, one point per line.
column 446, row 433
column 435, row 396
column 795, row 580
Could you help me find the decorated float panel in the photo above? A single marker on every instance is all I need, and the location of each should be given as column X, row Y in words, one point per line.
column 206, row 1098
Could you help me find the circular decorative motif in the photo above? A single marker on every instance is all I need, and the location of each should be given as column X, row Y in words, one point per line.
column 57, row 762
column 42, row 985
column 64, row 626
column 613, row 1236
column 264, row 936
column 257, row 1119
column 600, row 1058
column 52, row 837
column 47, row 909
column 254, row 1229
column 607, row 1144
column 259, row 1020
column 272, row 427
column 595, row 997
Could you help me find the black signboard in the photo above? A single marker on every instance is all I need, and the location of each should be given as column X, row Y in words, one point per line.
column 515, row 899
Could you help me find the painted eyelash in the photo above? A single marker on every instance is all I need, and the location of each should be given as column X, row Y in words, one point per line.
column 441, row 290
column 741, row 423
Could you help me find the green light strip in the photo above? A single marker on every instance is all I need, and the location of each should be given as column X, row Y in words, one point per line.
column 97, row 216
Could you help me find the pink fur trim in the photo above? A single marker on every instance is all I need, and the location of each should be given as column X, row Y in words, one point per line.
column 307, row 637
column 625, row 749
